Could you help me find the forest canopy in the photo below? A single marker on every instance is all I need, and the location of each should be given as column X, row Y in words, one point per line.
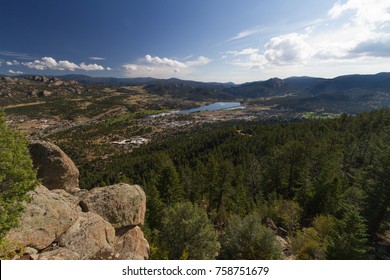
column 322, row 181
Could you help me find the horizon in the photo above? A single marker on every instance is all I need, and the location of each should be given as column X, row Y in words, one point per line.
column 186, row 80
column 206, row 41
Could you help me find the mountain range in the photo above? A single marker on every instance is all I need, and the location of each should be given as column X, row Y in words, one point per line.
column 349, row 93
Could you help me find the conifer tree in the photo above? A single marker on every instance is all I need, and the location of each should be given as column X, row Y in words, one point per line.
column 17, row 176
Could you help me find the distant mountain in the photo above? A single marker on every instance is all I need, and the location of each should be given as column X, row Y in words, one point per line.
column 379, row 81
column 84, row 79
column 350, row 93
column 271, row 87
column 303, row 82
column 189, row 89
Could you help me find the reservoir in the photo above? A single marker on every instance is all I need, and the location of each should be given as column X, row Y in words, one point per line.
column 214, row 107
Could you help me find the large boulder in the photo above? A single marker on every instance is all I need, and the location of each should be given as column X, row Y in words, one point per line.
column 47, row 217
column 55, row 169
column 90, row 236
column 59, row 254
column 132, row 245
column 122, row 205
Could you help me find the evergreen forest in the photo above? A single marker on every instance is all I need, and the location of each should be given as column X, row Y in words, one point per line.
column 231, row 190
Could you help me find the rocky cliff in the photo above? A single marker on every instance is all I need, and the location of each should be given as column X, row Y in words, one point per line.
column 64, row 222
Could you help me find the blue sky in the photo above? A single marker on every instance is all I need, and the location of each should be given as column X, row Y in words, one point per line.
column 205, row 40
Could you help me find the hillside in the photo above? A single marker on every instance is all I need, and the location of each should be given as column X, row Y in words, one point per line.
column 315, row 184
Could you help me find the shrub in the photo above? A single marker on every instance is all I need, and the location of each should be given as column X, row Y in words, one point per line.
column 186, row 233
column 17, row 176
column 248, row 239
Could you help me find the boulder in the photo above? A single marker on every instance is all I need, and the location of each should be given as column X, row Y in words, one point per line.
column 269, row 223
column 33, row 93
column 47, row 217
column 122, row 205
column 59, row 254
column 132, row 245
column 55, row 169
column 90, row 236
column 282, row 242
column 44, row 93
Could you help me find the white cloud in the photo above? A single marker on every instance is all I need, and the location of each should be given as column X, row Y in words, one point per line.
column 130, row 67
column 108, row 68
column 62, row 65
column 353, row 34
column 164, row 67
column 366, row 11
column 96, row 58
column 287, row 49
column 247, row 33
column 51, row 63
column 202, row 60
column 164, row 61
column 15, row 72
column 91, row 67
column 11, row 63
column 247, row 51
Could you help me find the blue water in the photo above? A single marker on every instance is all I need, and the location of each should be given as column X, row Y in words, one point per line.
column 214, row 107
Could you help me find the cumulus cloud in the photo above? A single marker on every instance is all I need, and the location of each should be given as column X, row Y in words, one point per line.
column 155, row 66
column 352, row 32
column 164, row 61
column 91, row 67
column 11, row 63
column 280, row 50
column 202, row 60
column 62, row 65
column 51, row 63
column 372, row 48
column 15, row 72
column 365, row 11
column 285, row 49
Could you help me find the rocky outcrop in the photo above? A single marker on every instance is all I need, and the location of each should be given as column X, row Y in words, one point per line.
column 47, row 217
column 54, row 226
column 89, row 236
column 55, row 169
column 57, row 254
column 132, row 245
column 122, row 205
column 68, row 223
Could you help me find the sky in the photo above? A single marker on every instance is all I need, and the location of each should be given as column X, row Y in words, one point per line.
column 202, row 40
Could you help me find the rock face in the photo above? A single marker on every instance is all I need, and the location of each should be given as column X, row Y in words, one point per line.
column 132, row 245
column 55, row 169
column 48, row 216
column 58, row 254
column 90, row 236
column 122, row 205
column 70, row 224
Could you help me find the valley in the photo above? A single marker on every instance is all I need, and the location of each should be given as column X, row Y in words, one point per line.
column 291, row 156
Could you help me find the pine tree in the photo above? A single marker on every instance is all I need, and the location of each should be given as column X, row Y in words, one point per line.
column 349, row 239
column 17, row 176
column 248, row 239
column 187, row 232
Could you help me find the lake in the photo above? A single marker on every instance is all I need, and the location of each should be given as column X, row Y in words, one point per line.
column 214, row 107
